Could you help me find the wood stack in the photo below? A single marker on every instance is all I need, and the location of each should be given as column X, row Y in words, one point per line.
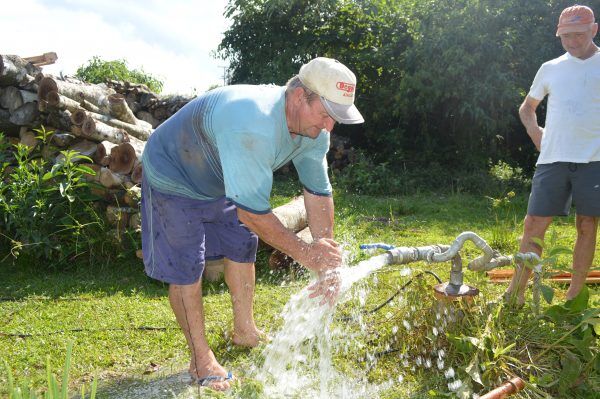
column 109, row 123
column 93, row 120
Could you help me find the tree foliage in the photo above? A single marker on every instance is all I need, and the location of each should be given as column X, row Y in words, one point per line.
column 438, row 81
column 98, row 70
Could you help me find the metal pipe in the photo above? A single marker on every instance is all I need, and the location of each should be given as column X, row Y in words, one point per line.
column 488, row 252
column 403, row 255
column 510, row 387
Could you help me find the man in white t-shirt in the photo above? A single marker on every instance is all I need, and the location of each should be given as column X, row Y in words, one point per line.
column 568, row 167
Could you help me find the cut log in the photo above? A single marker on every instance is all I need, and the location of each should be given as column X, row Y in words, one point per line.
column 10, row 98
column 292, row 215
column 120, row 110
column 133, row 196
column 281, row 261
column 136, row 173
column 110, row 179
column 78, row 117
column 138, row 145
column 14, row 70
column 213, row 270
column 139, row 132
column 44, row 59
column 6, row 126
column 147, row 116
column 102, row 155
column 26, row 115
column 61, row 102
column 83, row 147
column 60, row 120
column 27, row 138
column 99, row 131
column 118, row 216
column 95, row 177
column 135, row 222
column 62, row 139
column 94, row 94
column 122, row 158
column 113, row 196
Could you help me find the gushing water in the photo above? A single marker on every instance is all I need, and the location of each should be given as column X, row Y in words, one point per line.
column 298, row 362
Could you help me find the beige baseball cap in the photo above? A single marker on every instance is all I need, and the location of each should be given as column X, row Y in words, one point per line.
column 336, row 86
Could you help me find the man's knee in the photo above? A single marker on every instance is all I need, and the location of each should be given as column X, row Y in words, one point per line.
column 586, row 225
column 536, row 226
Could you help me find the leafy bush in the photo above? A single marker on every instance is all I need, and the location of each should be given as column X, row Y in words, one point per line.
column 99, row 71
column 46, row 209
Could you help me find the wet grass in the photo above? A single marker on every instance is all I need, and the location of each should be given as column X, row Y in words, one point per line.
column 124, row 331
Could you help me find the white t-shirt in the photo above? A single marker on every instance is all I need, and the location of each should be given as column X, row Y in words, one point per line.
column 572, row 132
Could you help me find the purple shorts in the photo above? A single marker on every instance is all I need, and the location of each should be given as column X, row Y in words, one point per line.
column 180, row 233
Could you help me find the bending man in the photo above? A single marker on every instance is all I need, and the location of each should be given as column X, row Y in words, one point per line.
column 208, row 172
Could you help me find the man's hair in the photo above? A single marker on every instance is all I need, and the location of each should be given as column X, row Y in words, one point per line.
column 295, row 82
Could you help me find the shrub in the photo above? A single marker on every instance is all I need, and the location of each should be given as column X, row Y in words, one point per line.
column 99, row 71
column 46, row 209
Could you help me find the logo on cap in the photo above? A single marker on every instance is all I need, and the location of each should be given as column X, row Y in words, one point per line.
column 347, row 87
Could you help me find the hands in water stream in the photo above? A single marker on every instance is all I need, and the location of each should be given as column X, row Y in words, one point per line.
column 328, row 285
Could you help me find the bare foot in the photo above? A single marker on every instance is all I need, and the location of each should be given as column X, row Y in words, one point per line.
column 250, row 339
column 209, row 367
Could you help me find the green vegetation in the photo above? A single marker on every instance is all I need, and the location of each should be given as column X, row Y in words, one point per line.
column 439, row 82
column 45, row 204
column 124, row 331
column 98, row 70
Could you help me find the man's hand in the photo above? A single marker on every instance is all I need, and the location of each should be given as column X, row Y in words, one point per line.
column 322, row 255
column 328, row 285
column 536, row 136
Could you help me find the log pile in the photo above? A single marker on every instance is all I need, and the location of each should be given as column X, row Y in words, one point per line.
column 93, row 120
column 109, row 123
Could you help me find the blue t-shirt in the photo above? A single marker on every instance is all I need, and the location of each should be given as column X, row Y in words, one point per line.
column 228, row 142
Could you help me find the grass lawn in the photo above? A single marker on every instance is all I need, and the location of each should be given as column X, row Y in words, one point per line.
column 124, row 331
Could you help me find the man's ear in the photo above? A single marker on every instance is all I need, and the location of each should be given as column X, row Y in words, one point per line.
column 297, row 95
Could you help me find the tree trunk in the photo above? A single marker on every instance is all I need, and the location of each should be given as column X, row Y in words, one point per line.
column 10, row 98
column 110, row 179
column 133, row 196
column 61, row 102
column 60, row 120
column 27, row 138
column 120, row 110
column 122, row 158
column 136, row 173
column 99, row 131
column 14, row 70
column 62, row 139
column 102, row 155
column 292, row 215
column 26, row 115
column 83, row 147
column 95, row 94
column 140, row 132
column 44, row 59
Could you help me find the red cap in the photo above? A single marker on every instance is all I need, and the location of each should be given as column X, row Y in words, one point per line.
column 575, row 19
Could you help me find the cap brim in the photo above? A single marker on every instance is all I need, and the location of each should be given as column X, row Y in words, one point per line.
column 575, row 28
column 346, row 114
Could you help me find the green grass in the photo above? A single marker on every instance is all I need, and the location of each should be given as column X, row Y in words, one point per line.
column 121, row 324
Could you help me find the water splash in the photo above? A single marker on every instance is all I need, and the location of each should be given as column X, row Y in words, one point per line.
column 298, row 362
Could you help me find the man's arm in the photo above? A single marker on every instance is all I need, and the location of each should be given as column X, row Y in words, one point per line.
column 319, row 211
column 529, row 120
column 321, row 255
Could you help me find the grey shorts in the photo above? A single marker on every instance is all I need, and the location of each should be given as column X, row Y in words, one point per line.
column 556, row 185
column 179, row 234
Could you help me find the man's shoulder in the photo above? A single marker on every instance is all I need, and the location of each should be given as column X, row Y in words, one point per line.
column 558, row 61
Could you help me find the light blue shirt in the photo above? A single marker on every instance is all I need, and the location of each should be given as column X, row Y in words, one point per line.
column 228, row 142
